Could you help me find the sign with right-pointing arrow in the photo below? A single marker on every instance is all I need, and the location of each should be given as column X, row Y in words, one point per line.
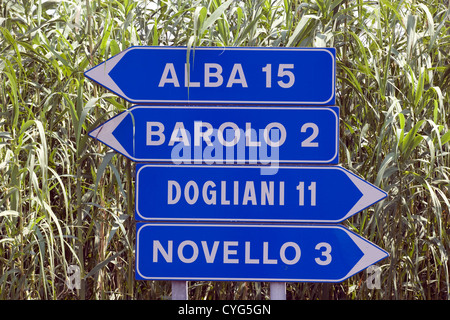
column 248, row 252
column 326, row 194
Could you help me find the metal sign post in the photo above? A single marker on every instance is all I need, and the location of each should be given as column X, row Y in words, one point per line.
column 278, row 291
column 179, row 290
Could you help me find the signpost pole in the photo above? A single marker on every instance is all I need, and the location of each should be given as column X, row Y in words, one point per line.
column 179, row 290
column 278, row 291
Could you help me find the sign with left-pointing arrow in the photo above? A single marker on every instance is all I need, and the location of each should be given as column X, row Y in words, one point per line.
column 220, row 75
column 237, row 252
column 224, row 135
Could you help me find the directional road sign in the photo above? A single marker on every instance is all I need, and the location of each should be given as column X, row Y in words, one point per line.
column 221, row 252
column 224, row 135
column 327, row 194
column 220, row 75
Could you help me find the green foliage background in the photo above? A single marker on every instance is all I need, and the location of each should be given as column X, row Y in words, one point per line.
column 66, row 199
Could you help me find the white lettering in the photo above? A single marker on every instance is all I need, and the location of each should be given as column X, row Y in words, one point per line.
column 157, row 247
column 210, row 256
column 187, row 78
column 170, row 198
column 237, row 134
column 241, row 146
column 186, row 192
column 169, row 68
column 194, row 247
column 283, row 253
column 283, row 72
column 227, row 251
column 212, row 193
column 281, row 193
column 223, row 194
column 237, row 68
column 198, row 133
column 179, row 128
column 213, row 76
column 266, row 259
column 282, row 131
column 267, row 193
column 325, row 253
column 209, row 192
column 249, row 260
column 236, row 193
column 188, row 252
column 209, row 75
column 249, row 193
column 151, row 133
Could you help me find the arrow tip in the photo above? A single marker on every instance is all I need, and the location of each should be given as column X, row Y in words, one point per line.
column 370, row 194
column 100, row 73
column 104, row 133
column 372, row 254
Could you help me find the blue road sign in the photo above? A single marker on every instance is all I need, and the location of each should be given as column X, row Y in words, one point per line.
column 224, row 135
column 221, row 252
column 220, row 75
column 327, row 194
